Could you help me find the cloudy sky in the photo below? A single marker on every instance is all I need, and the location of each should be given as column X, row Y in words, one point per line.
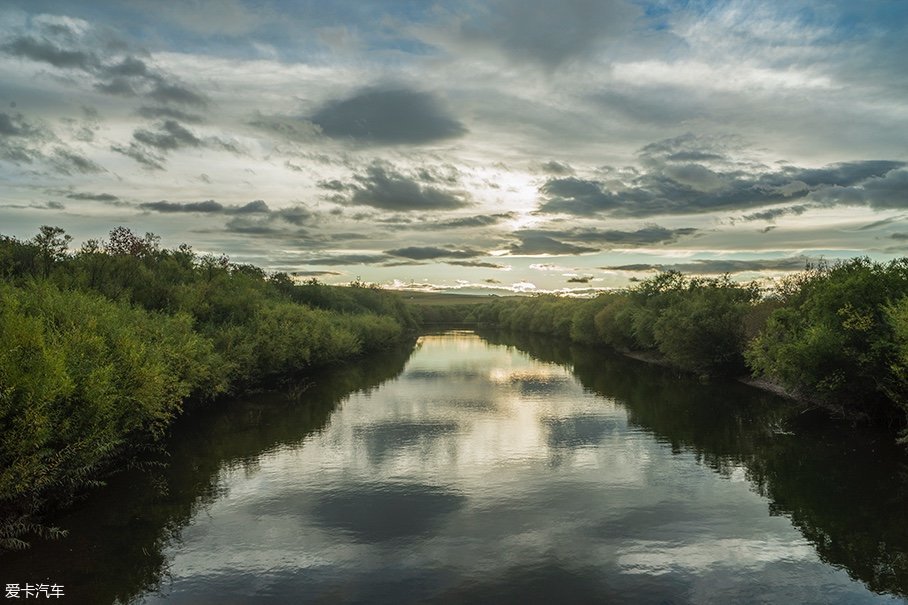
column 480, row 146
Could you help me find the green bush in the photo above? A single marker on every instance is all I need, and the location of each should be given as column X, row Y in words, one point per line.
column 835, row 338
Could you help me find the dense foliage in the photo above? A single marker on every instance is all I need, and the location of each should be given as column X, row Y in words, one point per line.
column 103, row 347
column 697, row 324
column 836, row 335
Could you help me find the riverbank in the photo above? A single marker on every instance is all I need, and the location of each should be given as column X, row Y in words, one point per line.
column 105, row 347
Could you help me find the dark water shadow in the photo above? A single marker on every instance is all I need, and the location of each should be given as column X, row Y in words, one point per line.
column 117, row 536
column 844, row 487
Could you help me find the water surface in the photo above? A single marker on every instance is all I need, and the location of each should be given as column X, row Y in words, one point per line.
column 480, row 471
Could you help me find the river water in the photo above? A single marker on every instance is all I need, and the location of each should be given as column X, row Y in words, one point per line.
column 495, row 469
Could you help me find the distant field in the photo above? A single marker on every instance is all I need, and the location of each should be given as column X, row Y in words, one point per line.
column 441, row 298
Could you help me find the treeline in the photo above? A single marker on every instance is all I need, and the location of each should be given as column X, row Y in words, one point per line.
column 104, row 346
column 833, row 334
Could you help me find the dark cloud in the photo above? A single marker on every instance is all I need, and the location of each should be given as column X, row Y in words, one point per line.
column 15, row 126
column 97, row 197
column 476, row 263
column 384, row 187
column 21, row 141
column 295, row 215
column 347, row 259
column 169, row 136
column 44, row 51
column 881, row 223
column 404, row 263
column 652, row 234
column 844, row 174
column 334, row 185
column 774, row 213
column 387, row 117
column 571, row 241
column 154, row 113
column 538, row 242
column 899, row 236
column 247, row 227
column 67, row 162
column 886, row 191
column 482, row 220
column 170, row 92
column 720, row 266
column 577, row 196
column 431, row 252
column 149, row 147
column 557, row 168
column 148, row 159
column 673, row 183
column 585, row 279
column 113, row 67
column 207, row 207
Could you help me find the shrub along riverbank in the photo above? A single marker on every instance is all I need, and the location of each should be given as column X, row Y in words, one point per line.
column 835, row 335
column 102, row 348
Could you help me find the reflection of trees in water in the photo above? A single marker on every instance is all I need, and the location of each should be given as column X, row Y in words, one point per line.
column 115, row 550
column 844, row 488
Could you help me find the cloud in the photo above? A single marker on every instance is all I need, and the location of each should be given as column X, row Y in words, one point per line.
column 532, row 31
column 289, row 128
column 170, row 135
column 480, row 220
column 114, row 68
column 538, row 242
column 570, row 241
column 67, row 162
column 387, row 117
column 149, row 160
column 671, row 183
column 20, row 140
column 774, row 213
column 97, row 197
column 346, row 259
column 887, row 189
column 44, row 51
column 430, row 252
column 149, row 147
column 153, row 112
column 382, row 186
column 15, row 126
column 720, row 266
column 23, row 142
column 208, row 207
column 585, row 279
column 477, row 264
column 645, row 236
column 557, row 168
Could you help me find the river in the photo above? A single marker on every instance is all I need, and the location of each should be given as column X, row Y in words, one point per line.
column 494, row 468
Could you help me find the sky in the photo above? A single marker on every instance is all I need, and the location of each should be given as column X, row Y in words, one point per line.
column 480, row 147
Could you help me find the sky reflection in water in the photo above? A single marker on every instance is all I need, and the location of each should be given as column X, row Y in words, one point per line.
column 482, row 474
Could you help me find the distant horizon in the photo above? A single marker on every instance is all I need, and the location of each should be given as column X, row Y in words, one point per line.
column 494, row 147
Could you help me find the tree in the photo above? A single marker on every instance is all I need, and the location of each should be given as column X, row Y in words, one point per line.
column 52, row 243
